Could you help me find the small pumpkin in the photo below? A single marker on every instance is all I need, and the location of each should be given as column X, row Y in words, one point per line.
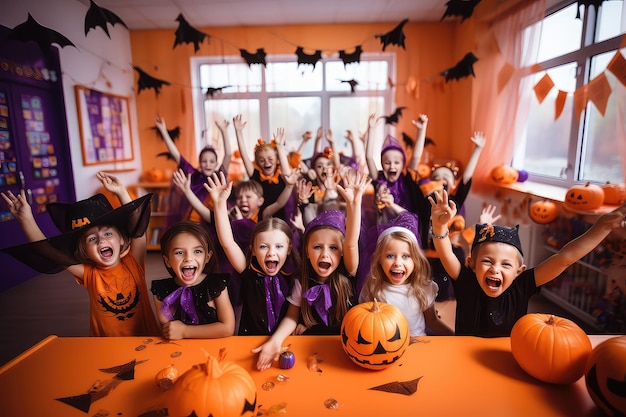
column 374, row 335
column 218, row 389
column 154, row 175
column 584, row 197
column 504, row 174
column 543, row 211
column 606, row 376
column 550, row 348
column 614, row 194
column 166, row 377
column 286, row 360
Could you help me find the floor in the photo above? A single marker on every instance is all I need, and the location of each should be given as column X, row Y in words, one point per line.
column 55, row 304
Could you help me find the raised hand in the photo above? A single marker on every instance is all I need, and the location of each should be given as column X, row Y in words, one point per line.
column 442, row 209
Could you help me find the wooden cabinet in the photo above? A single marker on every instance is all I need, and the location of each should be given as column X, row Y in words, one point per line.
column 159, row 205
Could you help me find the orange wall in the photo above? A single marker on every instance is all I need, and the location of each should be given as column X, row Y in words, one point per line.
column 430, row 48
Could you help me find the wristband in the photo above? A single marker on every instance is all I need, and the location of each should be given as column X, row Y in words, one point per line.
column 445, row 235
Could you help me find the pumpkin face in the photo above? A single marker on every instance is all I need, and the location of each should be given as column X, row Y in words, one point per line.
column 217, row 389
column 543, row 211
column 614, row 194
column 154, row 175
column 374, row 335
column 606, row 376
column 550, row 348
column 504, row 174
column 584, row 197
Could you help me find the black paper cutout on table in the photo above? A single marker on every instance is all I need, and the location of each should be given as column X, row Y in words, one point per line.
column 304, row 58
column 394, row 37
column 393, row 118
column 399, row 387
column 587, row 3
column 254, row 58
column 99, row 17
column 353, row 83
column 31, row 30
column 352, row 57
column 147, row 81
column 462, row 8
column 188, row 34
column 463, row 68
column 213, row 90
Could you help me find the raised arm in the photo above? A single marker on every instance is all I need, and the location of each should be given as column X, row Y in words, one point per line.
column 239, row 124
column 223, row 128
column 442, row 211
column 285, row 194
column 169, row 142
column 279, row 138
column 418, row 148
column 479, row 140
column 183, row 182
column 331, row 142
column 369, row 147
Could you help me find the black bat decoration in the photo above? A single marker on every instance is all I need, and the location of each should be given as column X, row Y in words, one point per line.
column 463, row 8
column 168, row 156
column 174, row 133
column 353, row 83
column 254, row 58
column 464, row 68
column 212, row 90
column 395, row 37
column 147, row 81
column 99, row 17
column 304, row 58
column 393, row 118
column 351, row 58
column 188, row 34
column 31, row 30
column 587, row 3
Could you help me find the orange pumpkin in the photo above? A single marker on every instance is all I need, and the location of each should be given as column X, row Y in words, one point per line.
column 614, row 194
column 606, row 376
column 154, row 175
column 584, row 197
column 165, row 377
column 550, row 348
column 543, row 211
column 374, row 335
column 504, row 174
column 218, row 389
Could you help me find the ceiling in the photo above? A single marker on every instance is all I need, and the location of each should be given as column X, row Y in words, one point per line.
column 161, row 14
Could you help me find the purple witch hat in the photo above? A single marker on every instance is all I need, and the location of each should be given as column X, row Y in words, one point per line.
column 329, row 218
column 392, row 144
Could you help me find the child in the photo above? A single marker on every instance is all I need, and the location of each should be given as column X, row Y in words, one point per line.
column 264, row 283
column 103, row 248
column 194, row 302
column 493, row 290
column 400, row 276
column 325, row 291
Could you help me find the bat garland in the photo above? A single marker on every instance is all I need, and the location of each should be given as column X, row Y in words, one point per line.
column 353, row 83
column 394, row 37
column 188, row 34
column 304, row 58
column 31, row 30
column 99, row 17
column 462, row 8
column 147, row 81
column 393, row 118
column 174, row 133
column 213, row 90
column 254, row 58
column 587, row 3
column 463, row 68
column 352, row 57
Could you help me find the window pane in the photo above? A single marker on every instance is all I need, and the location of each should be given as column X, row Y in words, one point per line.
column 609, row 20
column 296, row 115
column 241, row 77
column 545, row 146
column 218, row 110
column 352, row 113
column 286, row 76
column 601, row 162
column 561, row 33
column 371, row 75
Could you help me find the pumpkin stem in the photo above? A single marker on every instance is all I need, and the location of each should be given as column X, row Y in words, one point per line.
column 212, row 367
column 550, row 321
column 375, row 307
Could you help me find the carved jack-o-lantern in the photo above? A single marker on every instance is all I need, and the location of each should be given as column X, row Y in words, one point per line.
column 217, row 389
column 374, row 335
column 504, row 174
column 154, row 175
column 606, row 376
column 584, row 197
column 614, row 194
column 543, row 211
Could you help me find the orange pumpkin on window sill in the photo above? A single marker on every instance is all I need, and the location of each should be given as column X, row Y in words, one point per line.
column 584, row 197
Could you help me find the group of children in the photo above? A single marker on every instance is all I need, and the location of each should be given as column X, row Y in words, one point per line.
column 270, row 265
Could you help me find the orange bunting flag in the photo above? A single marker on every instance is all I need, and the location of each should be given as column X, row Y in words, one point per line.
column 543, row 87
column 618, row 67
column 504, row 76
column 580, row 101
column 559, row 103
column 599, row 91
column 623, row 44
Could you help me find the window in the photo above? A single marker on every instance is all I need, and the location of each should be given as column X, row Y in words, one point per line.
column 573, row 51
column 295, row 97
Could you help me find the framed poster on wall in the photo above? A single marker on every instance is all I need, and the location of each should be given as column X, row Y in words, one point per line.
column 104, row 121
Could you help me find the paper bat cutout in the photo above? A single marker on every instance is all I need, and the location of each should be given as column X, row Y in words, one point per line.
column 256, row 58
column 31, row 30
column 463, row 8
column 351, row 58
column 99, row 17
column 395, row 37
column 399, row 387
column 212, row 90
column 393, row 118
column 463, row 68
column 587, row 3
column 174, row 133
column 353, row 83
column 168, row 156
column 147, row 81
column 188, row 34
column 304, row 58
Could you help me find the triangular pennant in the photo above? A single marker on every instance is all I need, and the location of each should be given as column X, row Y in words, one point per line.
column 559, row 103
column 580, row 101
column 599, row 91
column 617, row 66
column 504, row 75
column 399, row 387
column 543, row 87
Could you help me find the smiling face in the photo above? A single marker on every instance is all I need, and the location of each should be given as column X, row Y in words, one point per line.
column 267, row 160
column 103, row 245
column 187, row 257
column 496, row 265
column 392, row 163
column 248, row 202
column 324, row 248
column 396, row 261
column 323, row 167
column 208, row 162
column 271, row 249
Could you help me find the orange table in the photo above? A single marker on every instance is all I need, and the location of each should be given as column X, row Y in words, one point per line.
column 461, row 376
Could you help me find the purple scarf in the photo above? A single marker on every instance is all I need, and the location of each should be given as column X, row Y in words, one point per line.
column 319, row 297
column 274, row 300
column 181, row 298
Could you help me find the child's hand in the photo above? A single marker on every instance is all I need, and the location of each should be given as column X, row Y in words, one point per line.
column 329, row 136
column 182, row 181
column 218, row 188
column 349, row 136
column 18, row 205
column 354, row 187
column 160, row 123
column 319, row 134
column 372, row 120
column 487, row 215
column 479, row 139
column 304, row 190
column 173, row 330
column 111, row 183
column 297, row 221
column 238, row 122
column 293, row 176
column 279, row 136
column 442, row 210
column 421, row 122
column 307, row 136
column 268, row 353
column 300, row 328
column 235, row 213
column 223, row 125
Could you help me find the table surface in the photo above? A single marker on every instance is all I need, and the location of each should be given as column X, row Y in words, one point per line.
column 460, row 376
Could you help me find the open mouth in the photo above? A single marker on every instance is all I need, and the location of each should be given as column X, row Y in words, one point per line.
column 106, row 253
column 397, row 275
column 271, row 267
column 323, row 267
column 493, row 283
column 189, row 272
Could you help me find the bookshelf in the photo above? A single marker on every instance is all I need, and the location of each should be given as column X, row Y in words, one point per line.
column 159, row 205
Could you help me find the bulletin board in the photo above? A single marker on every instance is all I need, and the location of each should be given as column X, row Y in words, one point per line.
column 104, row 126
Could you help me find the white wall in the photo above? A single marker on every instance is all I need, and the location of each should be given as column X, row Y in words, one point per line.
column 97, row 62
